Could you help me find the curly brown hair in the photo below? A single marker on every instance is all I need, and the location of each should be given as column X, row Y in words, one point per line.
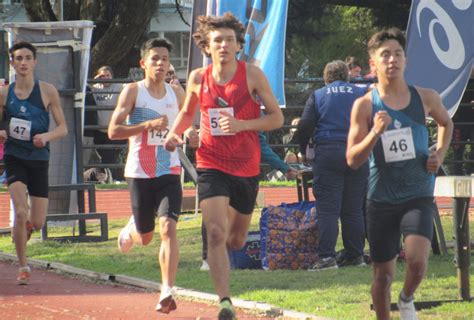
column 335, row 70
column 211, row 23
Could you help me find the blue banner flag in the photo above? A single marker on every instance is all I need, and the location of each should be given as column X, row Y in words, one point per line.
column 265, row 22
column 440, row 47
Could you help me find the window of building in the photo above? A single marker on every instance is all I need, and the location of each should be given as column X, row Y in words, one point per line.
column 180, row 41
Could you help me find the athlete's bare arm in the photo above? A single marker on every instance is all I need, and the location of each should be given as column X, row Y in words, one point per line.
column 186, row 116
column 434, row 107
column 361, row 139
column 126, row 102
column 190, row 133
column 50, row 97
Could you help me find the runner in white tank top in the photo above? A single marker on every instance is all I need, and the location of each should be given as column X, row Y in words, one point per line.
column 146, row 156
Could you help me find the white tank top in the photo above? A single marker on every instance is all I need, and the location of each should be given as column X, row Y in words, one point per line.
column 147, row 158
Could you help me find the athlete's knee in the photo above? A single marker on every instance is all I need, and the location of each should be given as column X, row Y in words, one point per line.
column 21, row 215
column 417, row 265
column 236, row 241
column 167, row 230
column 144, row 238
column 215, row 234
column 383, row 280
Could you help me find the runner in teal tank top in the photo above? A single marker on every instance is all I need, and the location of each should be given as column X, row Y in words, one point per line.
column 388, row 126
column 28, row 102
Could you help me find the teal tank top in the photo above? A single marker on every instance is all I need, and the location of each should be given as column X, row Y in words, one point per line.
column 400, row 181
column 26, row 118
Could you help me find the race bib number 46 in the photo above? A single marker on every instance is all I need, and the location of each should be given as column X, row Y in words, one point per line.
column 214, row 115
column 398, row 145
column 157, row 137
column 20, row 129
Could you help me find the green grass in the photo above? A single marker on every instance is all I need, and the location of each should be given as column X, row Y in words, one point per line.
column 339, row 294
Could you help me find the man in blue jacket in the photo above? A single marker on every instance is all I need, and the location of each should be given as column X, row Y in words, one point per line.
column 339, row 190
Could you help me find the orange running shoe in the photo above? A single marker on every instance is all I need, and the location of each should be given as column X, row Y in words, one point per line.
column 24, row 275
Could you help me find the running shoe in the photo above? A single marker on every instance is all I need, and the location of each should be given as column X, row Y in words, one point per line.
column 204, row 266
column 167, row 302
column 226, row 311
column 407, row 309
column 24, row 275
column 124, row 239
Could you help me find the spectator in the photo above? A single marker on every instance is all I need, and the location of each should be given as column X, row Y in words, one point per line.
column 339, row 190
column 355, row 68
column 291, row 153
column 106, row 94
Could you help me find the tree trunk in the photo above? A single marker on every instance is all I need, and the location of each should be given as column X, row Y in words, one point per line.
column 39, row 10
column 126, row 28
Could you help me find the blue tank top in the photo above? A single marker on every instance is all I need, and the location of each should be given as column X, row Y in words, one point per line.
column 26, row 115
column 333, row 105
column 400, row 181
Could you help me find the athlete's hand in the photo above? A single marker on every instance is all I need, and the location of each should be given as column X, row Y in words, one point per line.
column 193, row 137
column 173, row 141
column 39, row 140
column 381, row 121
column 228, row 123
column 158, row 124
column 3, row 136
column 434, row 161
column 291, row 174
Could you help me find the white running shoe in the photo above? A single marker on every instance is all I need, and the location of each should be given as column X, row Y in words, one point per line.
column 407, row 310
column 167, row 302
column 124, row 239
column 204, row 266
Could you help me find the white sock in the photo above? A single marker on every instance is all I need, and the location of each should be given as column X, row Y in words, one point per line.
column 165, row 291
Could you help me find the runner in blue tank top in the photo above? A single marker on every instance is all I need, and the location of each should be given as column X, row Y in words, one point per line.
column 27, row 102
column 388, row 126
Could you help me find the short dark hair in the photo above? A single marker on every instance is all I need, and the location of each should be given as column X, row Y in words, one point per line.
column 211, row 23
column 380, row 37
column 22, row 45
column 155, row 43
column 105, row 68
column 336, row 70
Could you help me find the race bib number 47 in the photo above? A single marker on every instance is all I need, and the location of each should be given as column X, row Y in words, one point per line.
column 20, row 129
column 398, row 145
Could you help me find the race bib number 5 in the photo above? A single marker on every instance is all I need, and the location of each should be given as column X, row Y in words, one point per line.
column 214, row 115
column 398, row 145
column 157, row 137
column 20, row 129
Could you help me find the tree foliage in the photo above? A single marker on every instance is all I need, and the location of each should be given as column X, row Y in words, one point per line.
column 119, row 25
column 325, row 30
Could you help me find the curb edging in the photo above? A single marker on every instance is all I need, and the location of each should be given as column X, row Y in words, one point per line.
column 261, row 307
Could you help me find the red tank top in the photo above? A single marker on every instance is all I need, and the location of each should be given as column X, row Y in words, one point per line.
column 238, row 154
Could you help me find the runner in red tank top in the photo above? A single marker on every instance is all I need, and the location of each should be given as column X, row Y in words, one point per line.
column 229, row 155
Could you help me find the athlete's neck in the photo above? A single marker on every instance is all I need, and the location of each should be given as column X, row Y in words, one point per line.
column 24, row 83
column 392, row 87
column 223, row 73
column 156, row 88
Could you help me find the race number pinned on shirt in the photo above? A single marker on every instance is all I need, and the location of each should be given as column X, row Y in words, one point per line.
column 157, row 137
column 20, row 129
column 214, row 116
column 398, row 145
